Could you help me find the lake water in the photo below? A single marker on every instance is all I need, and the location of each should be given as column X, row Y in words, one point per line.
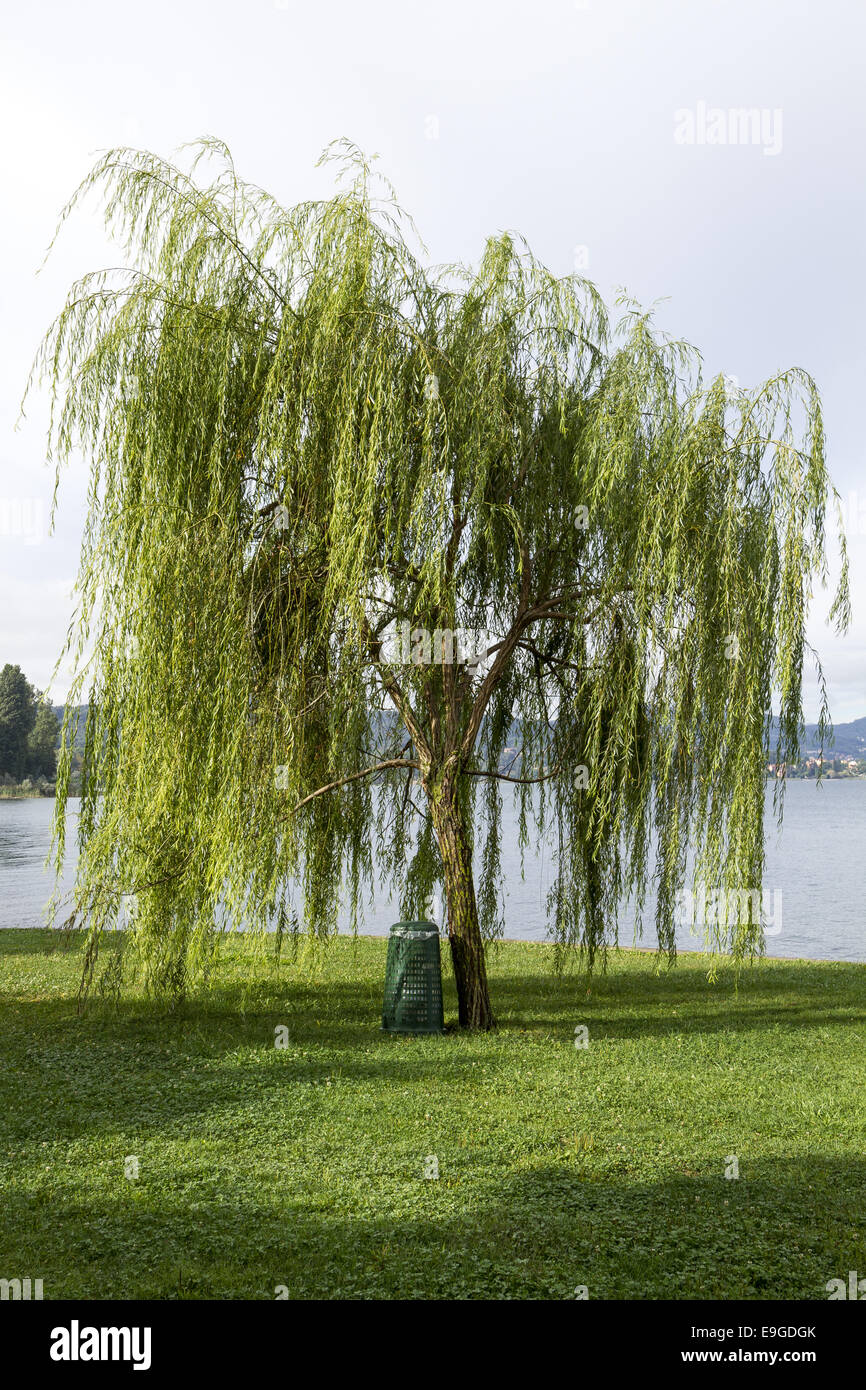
column 817, row 863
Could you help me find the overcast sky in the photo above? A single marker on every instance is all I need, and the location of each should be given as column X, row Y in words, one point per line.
column 593, row 128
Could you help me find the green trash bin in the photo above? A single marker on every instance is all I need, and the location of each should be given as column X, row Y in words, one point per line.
column 413, row 980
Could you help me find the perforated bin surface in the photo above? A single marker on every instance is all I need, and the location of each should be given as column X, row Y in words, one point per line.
column 413, row 980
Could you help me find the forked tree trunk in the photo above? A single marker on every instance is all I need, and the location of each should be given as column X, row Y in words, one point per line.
column 464, row 933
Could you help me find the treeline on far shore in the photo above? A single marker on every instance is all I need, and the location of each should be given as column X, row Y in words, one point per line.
column 29, row 738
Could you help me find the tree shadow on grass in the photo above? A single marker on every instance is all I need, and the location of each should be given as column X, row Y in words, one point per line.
column 143, row 1068
column 780, row 1232
column 634, row 1004
column 23, row 941
column 341, row 1014
column 621, row 1002
column 140, row 1069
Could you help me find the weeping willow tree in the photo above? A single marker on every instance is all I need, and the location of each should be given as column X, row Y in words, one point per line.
column 370, row 546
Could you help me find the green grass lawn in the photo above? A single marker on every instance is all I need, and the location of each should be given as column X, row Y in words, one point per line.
column 558, row 1166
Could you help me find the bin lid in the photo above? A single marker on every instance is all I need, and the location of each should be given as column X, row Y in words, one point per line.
column 414, row 929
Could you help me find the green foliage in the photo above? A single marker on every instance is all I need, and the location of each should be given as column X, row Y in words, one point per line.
column 18, row 708
column 299, row 437
column 42, row 742
column 557, row 1166
column 29, row 728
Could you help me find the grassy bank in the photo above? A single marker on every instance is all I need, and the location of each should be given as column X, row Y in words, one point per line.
column 558, row 1166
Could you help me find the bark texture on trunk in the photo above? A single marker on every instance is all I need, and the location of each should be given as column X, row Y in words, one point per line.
column 464, row 933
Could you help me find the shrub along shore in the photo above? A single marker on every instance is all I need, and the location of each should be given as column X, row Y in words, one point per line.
column 17, row 791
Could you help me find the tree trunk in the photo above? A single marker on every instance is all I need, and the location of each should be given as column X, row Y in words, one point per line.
column 464, row 933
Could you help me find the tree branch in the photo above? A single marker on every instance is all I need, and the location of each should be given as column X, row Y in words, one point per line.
column 503, row 777
column 353, row 777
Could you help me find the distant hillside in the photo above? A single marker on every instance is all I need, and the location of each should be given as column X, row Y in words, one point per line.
column 848, row 739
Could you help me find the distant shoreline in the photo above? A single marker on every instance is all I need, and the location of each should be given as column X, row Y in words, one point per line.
column 18, row 793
